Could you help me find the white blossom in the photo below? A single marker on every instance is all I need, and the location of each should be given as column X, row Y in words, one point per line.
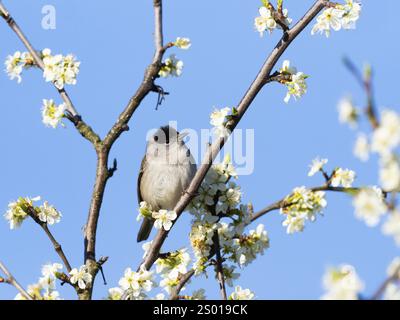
column 159, row 296
column 303, row 204
column 178, row 260
column 37, row 292
column 52, row 114
column 229, row 199
column 218, row 119
column 226, row 232
column 136, row 284
column 34, row 291
column 342, row 283
column 201, row 237
column 171, row 67
column 362, row 148
column 51, row 295
column 225, row 169
column 229, row 274
column 47, row 281
column 265, row 21
column 115, row 293
column 391, row 227
column 49, row 214
column 387, row 136
column 17, row 211
column 170, row 280
column 183, row 43
column 206, row 195
column 288, row 20
column 343, row 177
column 241, row 294
column 352, row 10
column 44, row 289
column 329, row 18
column 392, row 292
column 297, row 85
column 50, row 270
column 82, row 277
column 338, row 17
column 164, row 219
column 247, row 247
column 389, row 173
column 369, row 205
column 317, row 165
column 295, row 223
column 348, row 113
column 146, row 247
column 59, row 69
column 145, row 211
column 14, row 67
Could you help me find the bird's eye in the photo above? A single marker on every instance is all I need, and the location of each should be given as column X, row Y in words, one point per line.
column 156, row 138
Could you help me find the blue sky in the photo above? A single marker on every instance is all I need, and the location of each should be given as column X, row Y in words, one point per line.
column 115, row 44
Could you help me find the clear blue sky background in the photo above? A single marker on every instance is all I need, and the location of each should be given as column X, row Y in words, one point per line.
column 114, row 42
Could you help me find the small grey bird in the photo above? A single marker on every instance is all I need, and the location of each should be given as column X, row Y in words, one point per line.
column 166, row 171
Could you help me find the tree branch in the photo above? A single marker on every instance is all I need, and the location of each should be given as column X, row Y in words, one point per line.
column 56, row 245
column 366, row 83
column 184, row 279
column 244, row 104
column 383, row 286
column 12, row 281
column 147, row 85
column 219, row 266
column 282, row 203
column 158, row 28
column 85, row 130
column 104, row 147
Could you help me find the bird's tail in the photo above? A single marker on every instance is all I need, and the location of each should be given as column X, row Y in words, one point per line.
column 145, row 230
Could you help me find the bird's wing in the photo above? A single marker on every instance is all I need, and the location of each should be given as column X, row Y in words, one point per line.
column 147, row 224
column 142, row 166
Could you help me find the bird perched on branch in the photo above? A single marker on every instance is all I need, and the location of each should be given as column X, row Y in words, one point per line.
column 166, row 171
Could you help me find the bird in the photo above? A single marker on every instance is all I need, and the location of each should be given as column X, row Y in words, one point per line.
column 166, row 171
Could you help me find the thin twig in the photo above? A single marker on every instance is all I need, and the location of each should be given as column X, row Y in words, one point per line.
column 219, row 266
column 395, row 276
column 243, row 106
column 12, row 281
column 278, row 77
column 56, row 245
column 182, row 282
column 366, row 83
column 280, row 204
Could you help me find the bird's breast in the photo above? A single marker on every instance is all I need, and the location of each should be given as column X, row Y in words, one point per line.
column 162, row 184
